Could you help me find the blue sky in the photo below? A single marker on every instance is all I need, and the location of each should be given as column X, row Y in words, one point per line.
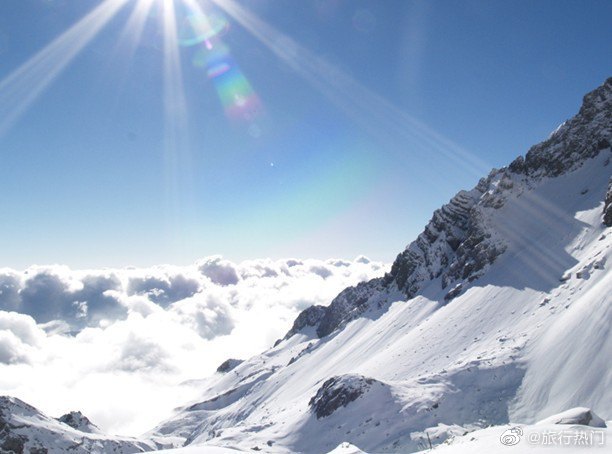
column 349, row 122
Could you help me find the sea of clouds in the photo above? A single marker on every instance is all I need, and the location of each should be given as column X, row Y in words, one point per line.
column 122, row 344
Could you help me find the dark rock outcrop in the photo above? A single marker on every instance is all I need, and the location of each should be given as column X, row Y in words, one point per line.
column 350, row 304
column 338, row 392
column 582, row 137
column 79, row 421
column 228, row 365
column 311, row 316
column 607, row 212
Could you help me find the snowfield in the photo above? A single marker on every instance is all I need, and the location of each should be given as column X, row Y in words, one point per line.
column 534, row 438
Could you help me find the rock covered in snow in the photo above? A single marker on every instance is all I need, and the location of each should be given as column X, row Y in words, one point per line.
column 580, row 138
column 228, row 365
column 308, row 317
column 579, row 415
column 79, row 421
column 346, row 448
column 347, row 306
column 338, row 392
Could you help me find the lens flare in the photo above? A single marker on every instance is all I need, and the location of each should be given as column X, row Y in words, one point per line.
column 202, row 28
column 206, row 30
column 236, row 94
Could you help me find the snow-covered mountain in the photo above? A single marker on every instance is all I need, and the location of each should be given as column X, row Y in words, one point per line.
column 24, row 429
column 500, row 311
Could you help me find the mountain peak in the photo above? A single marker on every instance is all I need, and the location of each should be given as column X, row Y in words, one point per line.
column 459, row 244
column 79, row 421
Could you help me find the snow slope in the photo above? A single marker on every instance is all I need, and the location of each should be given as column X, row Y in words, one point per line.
column 500, row 311
column 576, row 431
column 24, row 429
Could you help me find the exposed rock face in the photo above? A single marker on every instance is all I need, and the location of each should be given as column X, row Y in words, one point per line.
column 339, row 392
column 348, row 305
column 229, row 365
column 79, row 421
column 308, row 317
column 458, row 245
column 24, row 429
column 579, row 138
column 607, row 213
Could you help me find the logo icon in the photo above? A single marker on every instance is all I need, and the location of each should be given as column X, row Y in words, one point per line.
column 511, row 436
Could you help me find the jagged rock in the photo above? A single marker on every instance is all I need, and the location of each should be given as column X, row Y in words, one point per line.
column 454, row 293
column 338, row 392
column 347, row 306
column 607, row 213
column 228, row 365
column 579, row 138
column 79, row 421
column 308, row 317
column 518, row 165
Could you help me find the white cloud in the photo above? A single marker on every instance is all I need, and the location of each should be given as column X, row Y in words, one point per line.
column 139, row 354
column 22, row 326
column 12, row 349
column 219, row 271
column 105, row 341
column 207, row 314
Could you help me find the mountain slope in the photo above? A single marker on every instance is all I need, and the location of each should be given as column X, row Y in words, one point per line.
column 499, row 310
column 25, row 429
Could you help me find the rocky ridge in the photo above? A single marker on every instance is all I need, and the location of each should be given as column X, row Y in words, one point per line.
column 24, row 429
column 607, row 213
column 458, row 244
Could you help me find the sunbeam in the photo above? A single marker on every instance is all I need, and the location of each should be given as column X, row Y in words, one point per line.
column 176, row 144
column 132, row 32
column 22, row 87
column 372, row 112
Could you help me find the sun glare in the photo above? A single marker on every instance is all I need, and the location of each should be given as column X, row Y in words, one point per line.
column 194, row 31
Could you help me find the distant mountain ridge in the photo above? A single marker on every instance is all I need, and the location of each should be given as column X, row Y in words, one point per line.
column 24, row 429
